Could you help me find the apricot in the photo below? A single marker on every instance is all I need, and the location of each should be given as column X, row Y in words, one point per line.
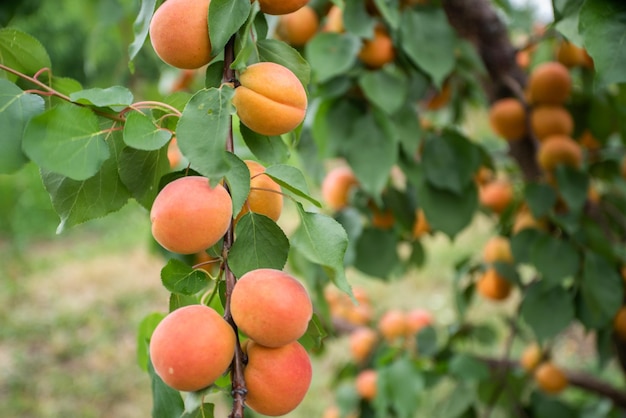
column 191, row 347
column 570, row 55
column 496, row 195
column 524, row 219
column 362, row 342
column 619, row 323
column 493, row 286
column 189, row 216
column 298, row 27
column 588, row 141
column 366, row 384
column 382, row 219
column 549, row 83
column 270, row 100
column 179, row 33
column 358, row 315
column 334, row 20
column 277, row 379
column 265, row 194
column 531, row 357
column 336, row 187
column 551, row 120
column 550, row 378
column 497, row 248
column 174, row 156
column 420, row 226
column 483, row 176
column 440, row 98
column 281, row 7
column 393, row 324
column 377, row 51
column 559, row 149
column 416, row 319
column 271, row 307
column 508, row 118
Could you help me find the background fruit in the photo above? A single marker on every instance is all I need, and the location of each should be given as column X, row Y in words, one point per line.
column 277, row 379
column 298, row 27
column 393, row 324
column 493, row 286
column 496, row 195
column 188, row 216
column 550, row 378
column 179, row 33
column 551, row 120
column 191, row 347
column 531, row 357
column 270, row 100
column 420, row 226
column 366, row 384
column 497, row 248
column 362, row 341
column 281, row 7
column 549, row 83
column 377, row 51
column 336, row 187
column 265, row 194
column 570, row 55
column 508, row 118
column 271, row 307
column 559, row 149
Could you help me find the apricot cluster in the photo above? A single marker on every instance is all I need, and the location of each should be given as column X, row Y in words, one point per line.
column 491, row 284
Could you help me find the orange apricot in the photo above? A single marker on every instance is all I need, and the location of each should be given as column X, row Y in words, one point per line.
column 531, row 357
column 570, row 55
column 298, row 27
column 416, row 319
column 524, row 219
column 420, row 226
column 550, row 378
column 278, row 378
column 619, row 323
column 379, row 50
column 265, row 194
column 189, row 216
column 493, row 286
column 334, row 20
column 271, row 307
column 393, row 324
column 174, row 156
column 179, row 33
column 366, row 384
column 191, row 347
column 559, row 149
column 549, row 83
column 508, row 118
column 497, row 248
column 362, row 342
column 336, row 187
column 551, row 120
column 281, row 7
column 496, row 195
column 440, row 98
column 270, row 99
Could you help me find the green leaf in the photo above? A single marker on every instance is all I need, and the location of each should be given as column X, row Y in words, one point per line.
column 21, row 52
column 314, row 335
column 556, row 259
column 390, row 11
column 260, row 243
column 16, row 109
column 547, row 311
column 322, row 240
column 116, row 97
column 291, row 179
column 427, row 341
column 357, row 20
column 214, row 73
column 523, row 243
column 66, row 85
column 352, row 222
column 238, row 179
column 408, row 127
column 370, row 152
column 601, row 24
column 540, row 198
column 179, row 278
column 203, row 129
column 79, row 201
column 144, row 333
column 331, row 54
column 573, row 186
column 468, row 368
column 66, row 139
column 400, row 385
column 386, row 88
column 568, row 20
column 206, row 410
column 449, row 162
column 166, row 402
column 269, row 149
column 601, row 292
column 141, row 26
column 225, row 18
column 279, row 52
column 141, row 171
column 140, row 132
column 376, row 252
column 429, row 27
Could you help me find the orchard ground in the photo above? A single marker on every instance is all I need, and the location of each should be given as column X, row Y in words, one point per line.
column 71, row 305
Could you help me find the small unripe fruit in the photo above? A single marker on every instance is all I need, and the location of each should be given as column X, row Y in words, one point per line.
column 189, row 216
column 271, row 307
column 270, row 100
column 265, row 195
column 571, row 55
column 281, row 7
column 179, row 33
column 497, row 248
column 550, row 378
column 362, row 341
column 277, row 379
column 551, row 120
column 493, row 286
column 336, row 187
column 192, row 347
column 366, row 384
column 496, row 195
column 379, row 50
column 299, row 27
column 559, row 149
column 393, row 324
column 508, row 118
column 531, row 357
column 549, row 83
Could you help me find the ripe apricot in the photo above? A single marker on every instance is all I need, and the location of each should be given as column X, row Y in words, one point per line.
column 382, row 219
column 281, row 7
column 496, row 195
column 366, row 384
column 179, row 33
column 265, row 194
column 271, row 307
column 549, row 83
column 298, row 27
column 174, row 156
column 379, row 50
column 334, row 20
column 336, row 187
column 497, row 248
column 524, row 219
column 393, row 324
column 570, row 55
column 559, row 149
column 551, row 120
column 189, row 216
column 420, row 226
column 270, row 100
column 191, row 347
column 531, row 357
column 493, row 286
column 550, row 378
column 277, row 379
column 508, row 118
column 619, row 323
column 416, row 319
column 362, row 342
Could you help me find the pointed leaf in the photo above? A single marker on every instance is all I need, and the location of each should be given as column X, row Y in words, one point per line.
column 238, row 179
column 291, row 179
column 601, row 291
column 547, row 310
column 166, row 402
column 331, row 54
column 179, row 278
column 225, row 19
column 21, row 52
column 279, row 52
column 376, row 253
column 116, row 97
column 385, row 88
column 140, row 132
column 269, row 149
column 556, row 259
column 141, row 26
column 144, row 333
column 141, row 171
